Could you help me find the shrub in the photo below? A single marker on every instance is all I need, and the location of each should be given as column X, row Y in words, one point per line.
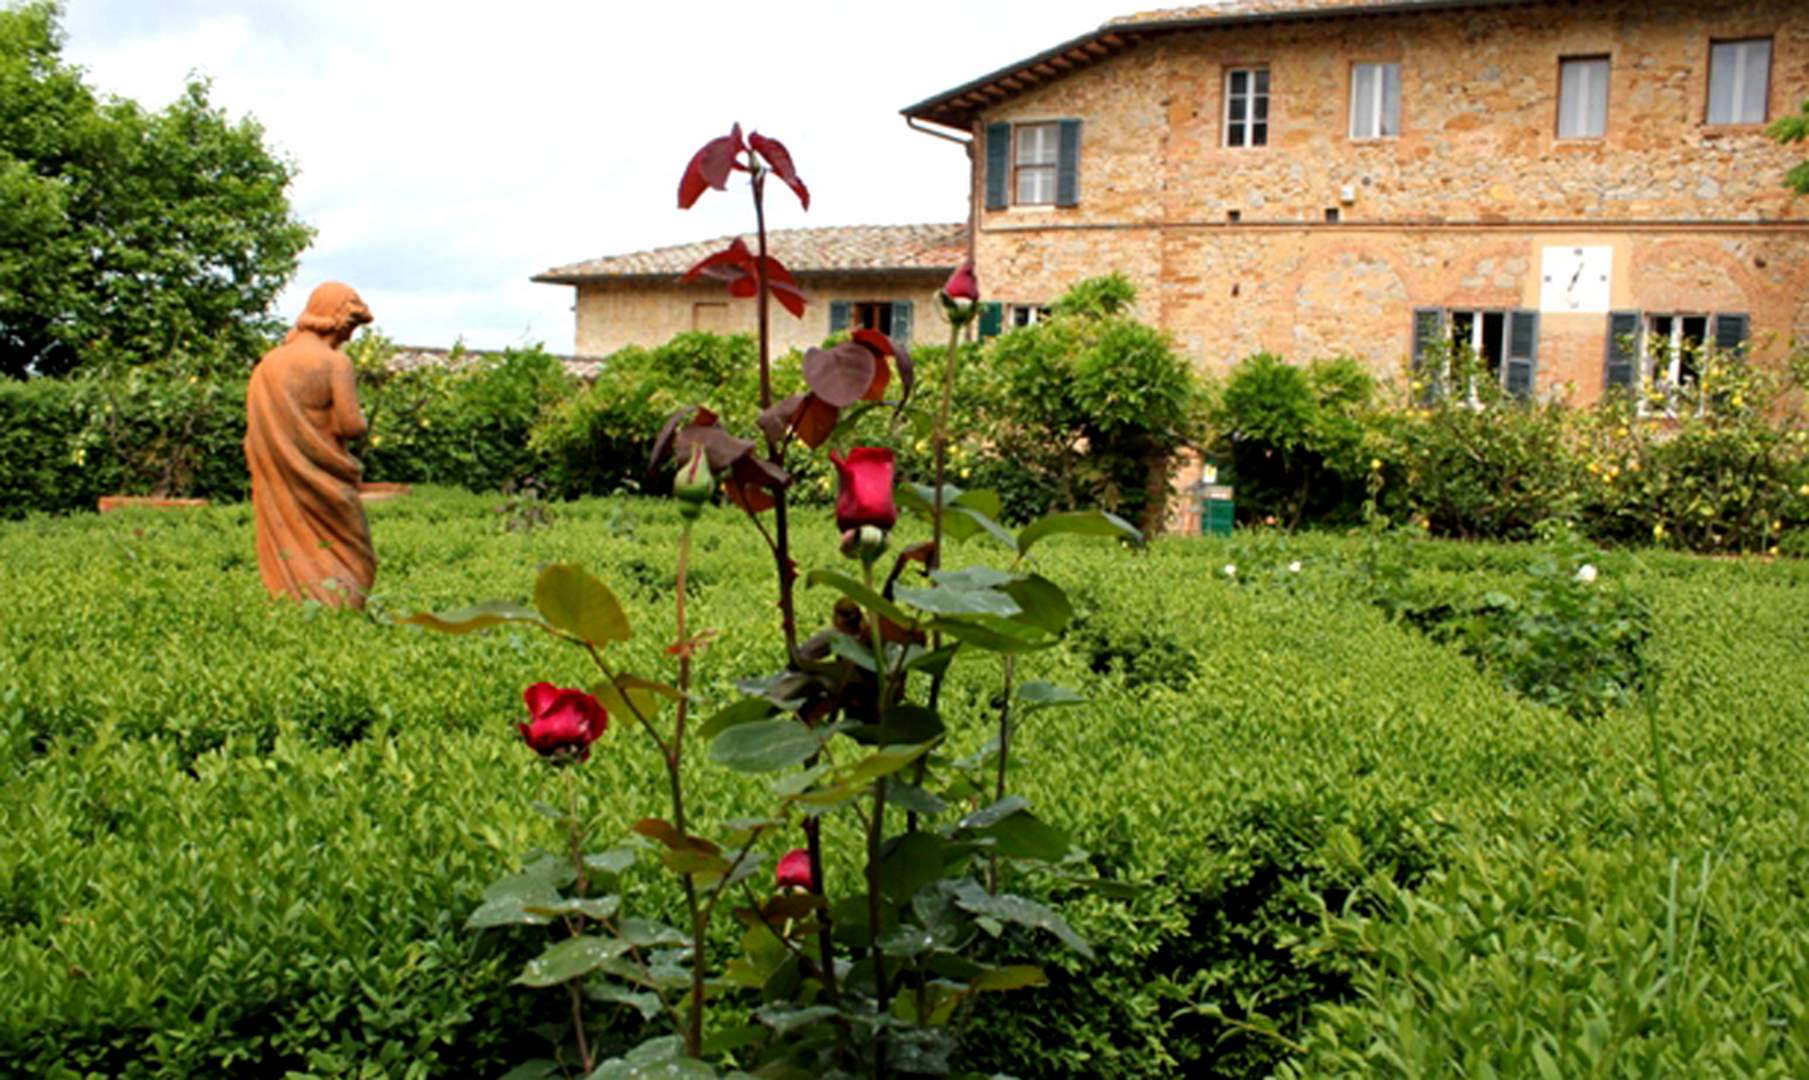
column 1296, row 438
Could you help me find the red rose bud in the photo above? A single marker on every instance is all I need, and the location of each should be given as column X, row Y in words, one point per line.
column 693, row 485
column 562, row 720
column 962, row 284
column 794, row 871
column 865, row 495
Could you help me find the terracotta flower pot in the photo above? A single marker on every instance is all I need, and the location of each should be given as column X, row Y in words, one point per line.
column 381, row 491
column 118, row 502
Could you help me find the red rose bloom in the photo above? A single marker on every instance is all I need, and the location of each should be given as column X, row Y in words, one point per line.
column 562, row 720
column 794, row 871
column 865, row 497
column 962, row 284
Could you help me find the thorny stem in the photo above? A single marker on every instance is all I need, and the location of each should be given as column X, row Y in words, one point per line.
column 940, row 446
column 876, row 831
column 576, row 839
column 674, row 758
column 1011, row 666
column 775, row 450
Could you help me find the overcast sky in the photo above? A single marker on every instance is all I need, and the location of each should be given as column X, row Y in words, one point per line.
column 450, row 150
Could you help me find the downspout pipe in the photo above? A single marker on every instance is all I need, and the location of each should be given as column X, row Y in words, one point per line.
column 967, row 144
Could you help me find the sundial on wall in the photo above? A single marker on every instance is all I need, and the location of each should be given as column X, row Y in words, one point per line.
column 1574, row 279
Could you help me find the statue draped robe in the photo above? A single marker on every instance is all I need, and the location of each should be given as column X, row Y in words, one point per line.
column 301, row 411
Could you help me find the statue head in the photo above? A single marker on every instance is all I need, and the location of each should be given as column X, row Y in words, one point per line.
column 334, row 311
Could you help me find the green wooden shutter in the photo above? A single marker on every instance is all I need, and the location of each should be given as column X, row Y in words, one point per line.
column 841, row 313
column 998, row 166
column 1428, row 336
column 1522, row 354
column 1730, row 333
column 901, row 321
column 1621, row 367
column 992, row 319
column 1067, row 164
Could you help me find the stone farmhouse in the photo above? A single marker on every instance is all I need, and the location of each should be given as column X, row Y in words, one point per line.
column 880, row 277
column 1567, row 187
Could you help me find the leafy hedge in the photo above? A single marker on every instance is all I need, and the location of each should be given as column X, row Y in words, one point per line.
column 241, row 838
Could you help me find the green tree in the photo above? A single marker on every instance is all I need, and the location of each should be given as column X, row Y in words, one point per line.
column 1793, row 129
column 126, row 235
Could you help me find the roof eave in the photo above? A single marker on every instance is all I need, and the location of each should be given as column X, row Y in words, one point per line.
column 938, row 271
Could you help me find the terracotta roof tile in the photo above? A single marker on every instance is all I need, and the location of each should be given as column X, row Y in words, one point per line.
column 839, row 248
column 1245, row 8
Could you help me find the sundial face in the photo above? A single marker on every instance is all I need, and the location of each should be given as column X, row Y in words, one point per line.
column 1575, row 279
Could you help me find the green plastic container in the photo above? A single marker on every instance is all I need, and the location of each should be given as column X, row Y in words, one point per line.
column 1217, row 510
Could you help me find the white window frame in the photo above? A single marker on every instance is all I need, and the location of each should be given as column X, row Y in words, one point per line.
column 1250, row 96
column 1018, row 316
column 1471, row 397
column 1368, row 118
column 1575, row 110
column 1744, row 49
column 1048, row 145
column 1652, row 382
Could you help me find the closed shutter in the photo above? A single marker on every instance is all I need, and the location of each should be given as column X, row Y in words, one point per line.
column 992, row 319
column 1428, row 357
column 1622, row 364
column 1730, row 333
column 901, row 321
column 1522, row 354
column 1067, row 165
column 998, row 166
column 840, row 314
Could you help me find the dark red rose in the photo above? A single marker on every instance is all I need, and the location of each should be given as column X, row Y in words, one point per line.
column 865, row 497
column 962, row 284
column 562, row 720
column 794, row 871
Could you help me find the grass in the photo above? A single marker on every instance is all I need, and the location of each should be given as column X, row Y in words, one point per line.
column 240, row 838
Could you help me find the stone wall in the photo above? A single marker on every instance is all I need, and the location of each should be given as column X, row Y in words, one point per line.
column 614, row 314
column 1456, row 212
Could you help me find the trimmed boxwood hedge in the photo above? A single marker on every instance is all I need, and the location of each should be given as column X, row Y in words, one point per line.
column 241, row 838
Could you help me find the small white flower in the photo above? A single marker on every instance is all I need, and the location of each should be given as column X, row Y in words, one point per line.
column 1230, row 570
column 1294, row 567
column 1586, row 573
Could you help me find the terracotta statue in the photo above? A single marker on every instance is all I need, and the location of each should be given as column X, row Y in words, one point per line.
column 301, row 410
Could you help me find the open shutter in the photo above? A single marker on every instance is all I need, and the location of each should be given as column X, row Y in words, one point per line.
column 998, row 166
column 1622, row 364
column 992, row 319
column 1522, row 354
column 1730, row 333
column 1067, row 165
column 1428, row 358
column 901, row 321
column 840, row 314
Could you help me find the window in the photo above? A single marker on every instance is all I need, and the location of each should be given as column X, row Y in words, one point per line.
column 1739, row 81
column 1583, row 98
column 1028, row 314
column 1375, row 101
column 1247, row 107
column 1033, row 164
column 892, row 318
column 1668, row 358
column 1474, row 349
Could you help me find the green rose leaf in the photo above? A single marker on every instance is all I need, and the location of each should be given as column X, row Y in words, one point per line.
column 478, row 617
column 648, row 1005
column 577, row 603
column 970, row 897
column 591, row 907
column 860, row 594
column 569, row 959
column 1044, row 603
column 958, row 601
column 745, row 711
column 764, row 745
column 1077, row 523
column 1044, row 695
column 1013, row 977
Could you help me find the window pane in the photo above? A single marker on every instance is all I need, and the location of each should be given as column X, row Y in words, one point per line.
column 1362, row 101
column 1757, row 72
column 1240, row 81
column 1391, row 99
column 1036, row 144
column 1260, row 109
column 1583, row 99
column 1234, row 134
column 1259, row 134
column 1237, row 109
column 1723, row 70
column 1262, row 80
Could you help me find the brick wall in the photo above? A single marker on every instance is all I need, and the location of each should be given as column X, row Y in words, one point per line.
column 1458, row 211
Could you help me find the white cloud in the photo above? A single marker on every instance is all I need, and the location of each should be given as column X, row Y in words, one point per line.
column 450, row 150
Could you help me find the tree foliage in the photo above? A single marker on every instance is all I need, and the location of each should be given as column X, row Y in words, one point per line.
column 128, row 235
column 1794, row 129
